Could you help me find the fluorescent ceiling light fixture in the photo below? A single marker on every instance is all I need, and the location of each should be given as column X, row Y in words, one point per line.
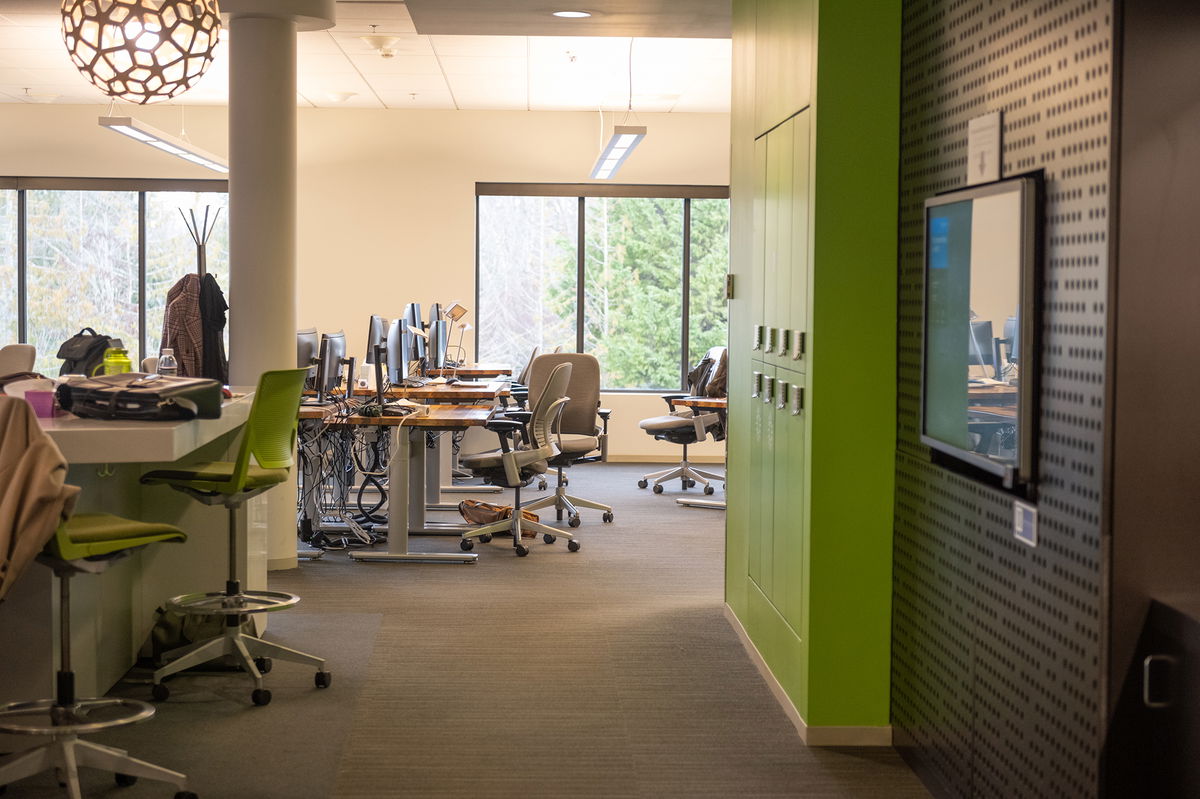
column 572, row 14
column 147, row 134
column 620, row 145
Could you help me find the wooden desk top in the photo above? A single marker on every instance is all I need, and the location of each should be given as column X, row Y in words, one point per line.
column 991, row 413
column 702, row 402
column 474, row 370
column 441, row 391
column 444, row 416
column 992, row 394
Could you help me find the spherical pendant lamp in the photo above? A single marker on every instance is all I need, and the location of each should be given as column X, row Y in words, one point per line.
column 141, row 50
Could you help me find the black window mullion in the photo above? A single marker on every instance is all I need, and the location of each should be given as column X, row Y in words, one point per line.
column 141, row 278
column 22, row 272
column 580, row 256
column 687, row 292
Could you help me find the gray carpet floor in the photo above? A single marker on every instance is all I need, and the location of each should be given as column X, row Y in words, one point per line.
column 608, row 672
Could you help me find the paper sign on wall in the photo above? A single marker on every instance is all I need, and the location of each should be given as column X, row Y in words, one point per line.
column 983, row 148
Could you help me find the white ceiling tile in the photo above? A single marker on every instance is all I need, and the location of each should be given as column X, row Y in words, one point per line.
column 375, row 64
column 318, row 87
column 404, row 44
column 512, row 46
column 311, row 64
column 316, row 42
column 500, row 68
column 481, row 92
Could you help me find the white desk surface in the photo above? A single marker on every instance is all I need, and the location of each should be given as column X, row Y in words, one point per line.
column 120, row 441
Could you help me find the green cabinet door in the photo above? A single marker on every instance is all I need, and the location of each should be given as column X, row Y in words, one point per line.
column 790, row 534
column 762, row 491
column 797, row 320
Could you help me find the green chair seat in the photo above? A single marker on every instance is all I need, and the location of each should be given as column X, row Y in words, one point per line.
column 87, row 535
column 215, row 476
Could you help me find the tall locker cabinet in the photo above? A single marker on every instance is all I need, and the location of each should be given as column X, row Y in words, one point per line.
column 812, row 437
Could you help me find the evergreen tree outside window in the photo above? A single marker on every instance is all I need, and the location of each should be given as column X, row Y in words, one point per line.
column 649, row 277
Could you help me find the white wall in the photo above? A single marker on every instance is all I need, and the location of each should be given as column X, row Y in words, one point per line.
column 387, row 198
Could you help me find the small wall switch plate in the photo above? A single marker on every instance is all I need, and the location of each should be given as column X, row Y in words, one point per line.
column 1025, row 523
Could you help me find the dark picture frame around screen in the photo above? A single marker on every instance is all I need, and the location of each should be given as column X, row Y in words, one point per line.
column 981, row 323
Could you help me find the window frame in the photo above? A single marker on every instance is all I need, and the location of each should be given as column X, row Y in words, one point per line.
column 141, row 186
column 584, row 191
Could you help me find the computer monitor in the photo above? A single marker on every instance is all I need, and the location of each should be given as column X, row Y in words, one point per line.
column 1012, row 334
column 376, row 336
column 439, row 341
column 307, row 342
column 399, row 345
column 332, row 356
column 980, row 347
column 435, row 313
column 412, row 316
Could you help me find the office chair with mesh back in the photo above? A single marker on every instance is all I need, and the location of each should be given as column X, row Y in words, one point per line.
column 683, row 426
column 270, row 436
column 576, row 431
column 526, row 444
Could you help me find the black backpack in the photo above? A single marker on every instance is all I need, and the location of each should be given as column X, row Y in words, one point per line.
column 83, row 353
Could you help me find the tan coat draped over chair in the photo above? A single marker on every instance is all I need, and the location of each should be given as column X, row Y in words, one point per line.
column 34, row 495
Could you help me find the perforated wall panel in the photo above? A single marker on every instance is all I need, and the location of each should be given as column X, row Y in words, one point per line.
column 997, row 652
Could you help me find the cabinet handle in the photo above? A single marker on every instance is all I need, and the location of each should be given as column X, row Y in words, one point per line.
column 785, row 337
column 781, row 393
column 1147, row 668
column 758, row 337
column 756, row 384
column 768, row 389
column 770, row 340
column 798, row 352
column 797, row 400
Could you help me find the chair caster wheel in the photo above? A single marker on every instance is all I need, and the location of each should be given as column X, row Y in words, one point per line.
column 186, row 795
column 573, row 545
column 689, row 483
column 574, row 521
column 125, row 780
column 658, row 489
column 643, row 483
column 260, row 696
column 323, row 679
column 566, row 481
column 485, row 537
column 542, row 485
column 522, row 550
column 466, row 545
column 549, row 539
column 160, row 692
column 607, row 517
column 263, row 665
column 710, row 490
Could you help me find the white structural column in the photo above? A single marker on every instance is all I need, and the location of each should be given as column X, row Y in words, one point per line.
column 262, row 212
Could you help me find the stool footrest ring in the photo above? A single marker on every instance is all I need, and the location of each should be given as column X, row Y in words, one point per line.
column 43, row 717
column 219, row 603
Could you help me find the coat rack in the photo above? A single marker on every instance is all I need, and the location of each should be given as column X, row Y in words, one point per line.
column 200, row 230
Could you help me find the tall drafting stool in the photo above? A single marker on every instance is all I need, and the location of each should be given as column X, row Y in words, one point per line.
column 682, row 426
column 270, row 436
column 576, row 431
column 87, row 543
column 515, row 465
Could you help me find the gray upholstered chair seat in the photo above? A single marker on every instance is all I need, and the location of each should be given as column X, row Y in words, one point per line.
column 678, row 421
column 569, row 444
column 482, row 461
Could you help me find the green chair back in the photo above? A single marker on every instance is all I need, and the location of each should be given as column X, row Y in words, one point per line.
column 270, row 432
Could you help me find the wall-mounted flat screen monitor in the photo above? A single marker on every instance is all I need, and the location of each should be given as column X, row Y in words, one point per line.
column 982, row 251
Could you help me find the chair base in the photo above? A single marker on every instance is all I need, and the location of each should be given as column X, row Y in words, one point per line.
column 244, row 649
column 683, row 472
column 562, row 502
column 221, row 603
column 66, row 752
column 515, row 525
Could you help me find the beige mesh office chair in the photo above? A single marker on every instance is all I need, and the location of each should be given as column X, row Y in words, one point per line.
column 683, row 426
column 526, row 444
column 576, row 432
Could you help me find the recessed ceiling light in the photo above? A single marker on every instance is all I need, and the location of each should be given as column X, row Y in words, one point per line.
column 572, row 14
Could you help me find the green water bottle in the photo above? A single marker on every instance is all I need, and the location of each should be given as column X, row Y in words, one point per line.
column 116, row 361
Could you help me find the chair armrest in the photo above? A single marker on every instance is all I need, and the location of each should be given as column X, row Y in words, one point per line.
column 521, row 416
column 505, row 429
column 604, row 413
column 670, row 400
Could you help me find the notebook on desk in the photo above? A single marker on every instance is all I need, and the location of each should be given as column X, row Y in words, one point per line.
column 472, row 384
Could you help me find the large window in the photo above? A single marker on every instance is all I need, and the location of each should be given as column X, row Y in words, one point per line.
column 9, row 324
column 633, row 275
column 99, row 254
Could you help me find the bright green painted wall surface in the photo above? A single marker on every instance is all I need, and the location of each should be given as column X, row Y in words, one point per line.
column 833, row 534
